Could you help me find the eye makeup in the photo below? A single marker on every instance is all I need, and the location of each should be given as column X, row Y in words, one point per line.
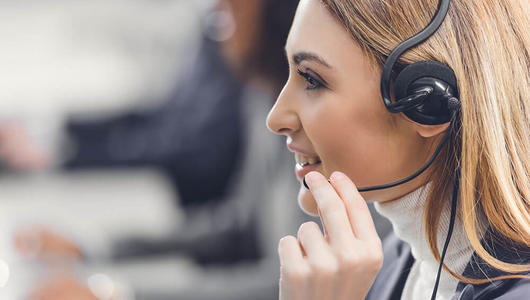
column 314, row 81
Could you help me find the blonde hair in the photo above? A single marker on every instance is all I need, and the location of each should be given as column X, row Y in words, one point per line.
column 486, row 42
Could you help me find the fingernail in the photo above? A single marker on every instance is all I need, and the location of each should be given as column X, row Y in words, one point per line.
column 305, row 184
column 310, row 174
column 337, row 175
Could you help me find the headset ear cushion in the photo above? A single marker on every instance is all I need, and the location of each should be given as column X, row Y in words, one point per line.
column 426, row 68
column 435, row 109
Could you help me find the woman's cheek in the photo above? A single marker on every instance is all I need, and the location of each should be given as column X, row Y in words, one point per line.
column 306, row 202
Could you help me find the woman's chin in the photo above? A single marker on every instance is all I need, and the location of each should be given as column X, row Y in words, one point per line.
column 306, row 202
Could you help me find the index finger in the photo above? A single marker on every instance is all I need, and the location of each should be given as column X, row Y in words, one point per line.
column 359, row 215
column 332, row 211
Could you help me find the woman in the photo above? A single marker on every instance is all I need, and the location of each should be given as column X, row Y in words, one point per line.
column 331, row 111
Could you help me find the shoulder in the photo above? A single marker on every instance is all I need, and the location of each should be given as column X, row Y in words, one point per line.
column 508, row 289
column 519, row 289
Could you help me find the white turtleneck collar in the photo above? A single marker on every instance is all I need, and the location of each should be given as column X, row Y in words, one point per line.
column 406, row 216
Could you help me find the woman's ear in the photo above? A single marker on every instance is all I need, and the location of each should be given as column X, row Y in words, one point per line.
column 428, row 131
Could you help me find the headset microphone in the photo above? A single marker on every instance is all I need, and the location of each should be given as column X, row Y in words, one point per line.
column 427, row 93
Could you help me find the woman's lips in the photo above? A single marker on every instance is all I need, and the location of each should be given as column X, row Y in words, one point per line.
column 302, row 171
column 298, row 150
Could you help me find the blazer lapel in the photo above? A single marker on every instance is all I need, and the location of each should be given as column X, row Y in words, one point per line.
column 390, row 280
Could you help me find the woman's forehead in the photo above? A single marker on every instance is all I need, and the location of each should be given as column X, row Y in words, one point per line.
column 311, row 27
column 315, row 30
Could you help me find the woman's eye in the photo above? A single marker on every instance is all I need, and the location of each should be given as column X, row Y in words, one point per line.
column 312, row 83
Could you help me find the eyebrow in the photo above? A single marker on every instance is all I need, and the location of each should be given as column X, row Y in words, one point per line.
column 301, row 56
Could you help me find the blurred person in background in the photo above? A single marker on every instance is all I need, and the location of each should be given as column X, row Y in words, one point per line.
column 211, row 139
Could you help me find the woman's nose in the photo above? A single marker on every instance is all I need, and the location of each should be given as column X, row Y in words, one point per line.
column 282, row 118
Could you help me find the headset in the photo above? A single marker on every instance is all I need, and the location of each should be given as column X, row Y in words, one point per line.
column 427, row 93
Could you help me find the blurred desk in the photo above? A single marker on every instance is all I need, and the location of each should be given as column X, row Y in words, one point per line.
column 92, row 207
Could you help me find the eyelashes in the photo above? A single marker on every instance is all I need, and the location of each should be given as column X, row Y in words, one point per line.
column 314, row 82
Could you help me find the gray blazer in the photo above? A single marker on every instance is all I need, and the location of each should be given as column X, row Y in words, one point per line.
column 398, row 261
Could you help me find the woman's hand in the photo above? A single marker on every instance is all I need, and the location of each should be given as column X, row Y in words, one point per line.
column 41, row 243
column 61, row 288
column 18, row 151
column 343, row 263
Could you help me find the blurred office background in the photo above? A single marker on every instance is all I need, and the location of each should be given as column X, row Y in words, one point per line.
column 87, row 60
